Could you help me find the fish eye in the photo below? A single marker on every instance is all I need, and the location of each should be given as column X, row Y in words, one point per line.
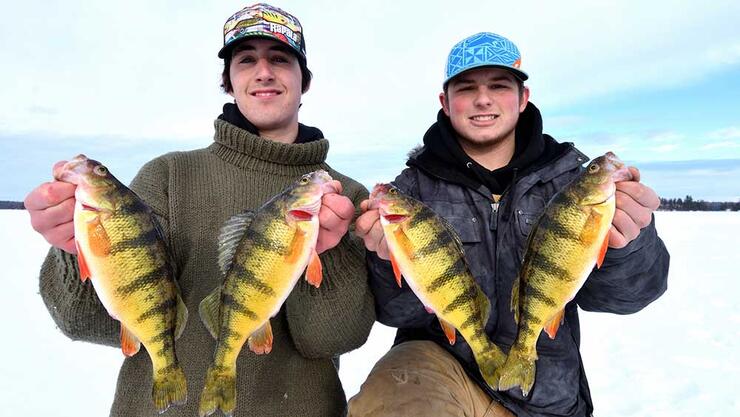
column 393, row 191
column 303, row 180
column 100, row 170
column 593, row 168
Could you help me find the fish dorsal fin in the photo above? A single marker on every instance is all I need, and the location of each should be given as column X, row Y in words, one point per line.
column 515, row 299
column 209, row 311
column 228, row 240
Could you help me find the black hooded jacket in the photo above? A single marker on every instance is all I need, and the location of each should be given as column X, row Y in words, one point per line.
column 494, row 236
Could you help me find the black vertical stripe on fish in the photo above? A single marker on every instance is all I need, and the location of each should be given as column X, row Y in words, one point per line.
column 462, row 300
column 420, row 217
column 540, row 261
column 560, row 230
column 144, row 282
column 148, row 239
column 231, row 303
column 252, row 280
column 432, row 247
column 159, row 309
column 453, row 271
column 536, row 294
column 260, row 239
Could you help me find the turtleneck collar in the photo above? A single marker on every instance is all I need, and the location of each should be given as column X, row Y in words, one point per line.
column 232, row 115
column 247, row 150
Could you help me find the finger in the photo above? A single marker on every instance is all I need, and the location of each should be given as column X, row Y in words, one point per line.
column 363, row 205
column 366, row 222
column 337, row 187
column 626, row 227
column 43, row 221
column 635, row 173
column 69, row 247
column 61, row 235
column 640, row 193
column 616, row 240
column 340, row 205
column 49, row 194
column 639, row 214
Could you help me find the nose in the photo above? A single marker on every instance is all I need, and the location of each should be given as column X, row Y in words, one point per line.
column 482, row 98
column 264, row 70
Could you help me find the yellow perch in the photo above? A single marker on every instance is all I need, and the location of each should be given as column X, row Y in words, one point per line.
column 121, row 249
column 569, row 238
column 262, row 255
column 427, row 252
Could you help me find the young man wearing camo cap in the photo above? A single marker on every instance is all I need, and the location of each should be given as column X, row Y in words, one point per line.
column 259, row 148
column 488, row 169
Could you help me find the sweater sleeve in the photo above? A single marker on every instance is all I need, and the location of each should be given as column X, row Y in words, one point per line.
column 336, row 317
column 630, row 278
column 394, row 306
column 73, row 305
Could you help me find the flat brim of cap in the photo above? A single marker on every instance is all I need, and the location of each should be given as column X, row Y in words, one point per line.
column 521, row 75
column 227, row 48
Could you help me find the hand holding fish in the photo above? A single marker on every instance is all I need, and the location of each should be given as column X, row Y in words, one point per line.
column 51, row 206
column 636, row 203
column 334, row 217
column 369, row 229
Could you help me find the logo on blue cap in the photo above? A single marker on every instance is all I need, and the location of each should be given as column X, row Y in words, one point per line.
column 484, row 49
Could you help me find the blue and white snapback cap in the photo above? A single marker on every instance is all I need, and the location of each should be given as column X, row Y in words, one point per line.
column 484, row 49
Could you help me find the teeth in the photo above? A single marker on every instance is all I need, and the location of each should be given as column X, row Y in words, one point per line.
column 481, row 118
column 265, row 94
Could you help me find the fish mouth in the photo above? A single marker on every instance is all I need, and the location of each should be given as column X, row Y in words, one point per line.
column 621, row 172
column 393, row 218
column 65, row 170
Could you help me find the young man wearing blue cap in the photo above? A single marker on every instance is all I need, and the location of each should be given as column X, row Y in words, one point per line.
column 259, row 149
column 488, row 169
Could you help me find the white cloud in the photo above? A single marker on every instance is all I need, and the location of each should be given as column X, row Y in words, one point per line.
column 726, row 133
column 146, row 69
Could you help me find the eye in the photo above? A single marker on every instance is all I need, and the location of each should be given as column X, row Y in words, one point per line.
column 304, row 180
column 280, row 59
column 593, row 168
column 246, row 59
column 393, row 191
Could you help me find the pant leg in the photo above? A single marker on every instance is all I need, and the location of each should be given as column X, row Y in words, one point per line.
column 420, row 379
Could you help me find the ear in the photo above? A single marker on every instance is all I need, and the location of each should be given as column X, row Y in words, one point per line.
column 445, row 103
column 308, row 86
column 524, row 99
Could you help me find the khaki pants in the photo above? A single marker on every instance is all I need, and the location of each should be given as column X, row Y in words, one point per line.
column 420, row 379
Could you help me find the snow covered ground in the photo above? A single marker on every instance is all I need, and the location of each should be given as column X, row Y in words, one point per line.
column 678, row 357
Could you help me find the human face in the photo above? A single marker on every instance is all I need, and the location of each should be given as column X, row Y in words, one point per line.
column 484, row 105
column 266, row 84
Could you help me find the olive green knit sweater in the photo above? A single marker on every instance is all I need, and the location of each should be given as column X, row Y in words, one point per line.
column 193, row 193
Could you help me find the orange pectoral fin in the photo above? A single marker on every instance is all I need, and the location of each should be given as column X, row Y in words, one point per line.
column 602, row 251
column 448, row 329
column 84, row 270
column 552, row 326
column 260, row 342
column 396, row 270
column 314, row 272
column 129, row 343
column 98, row 238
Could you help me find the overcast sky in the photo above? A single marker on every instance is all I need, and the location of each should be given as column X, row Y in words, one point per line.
column 652, row 81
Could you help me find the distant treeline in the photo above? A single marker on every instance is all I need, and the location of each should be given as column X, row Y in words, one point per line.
column 13, row 205
column 689, row 204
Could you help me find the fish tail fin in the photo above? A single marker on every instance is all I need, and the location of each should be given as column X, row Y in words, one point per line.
column 517, row 371
column 491, row 359
column 169, row 388
column 219, row 392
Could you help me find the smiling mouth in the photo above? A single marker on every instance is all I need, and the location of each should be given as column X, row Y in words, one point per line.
column 271, row 93
column 484, row 118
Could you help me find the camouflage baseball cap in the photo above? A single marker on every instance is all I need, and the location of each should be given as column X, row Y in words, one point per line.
column 263, row 21
column 484, row 49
